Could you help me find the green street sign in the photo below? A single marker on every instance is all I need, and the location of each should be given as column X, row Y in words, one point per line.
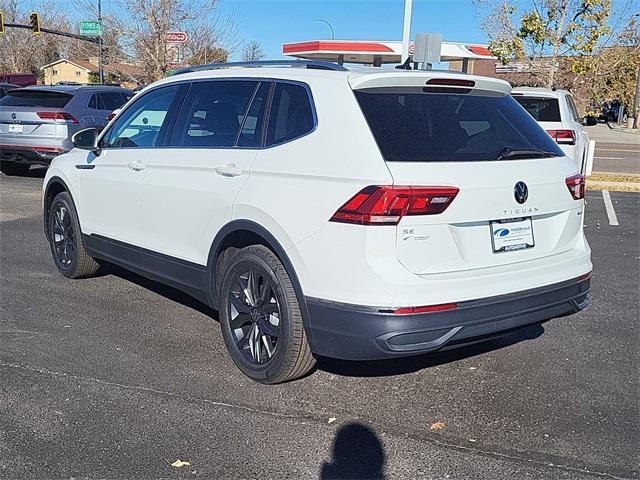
column 91, row 28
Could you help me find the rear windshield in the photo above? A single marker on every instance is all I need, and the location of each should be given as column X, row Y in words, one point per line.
column 410, row 125
column 35, row 98
column 542, row 109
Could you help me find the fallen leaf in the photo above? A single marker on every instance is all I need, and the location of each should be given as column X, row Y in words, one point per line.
column 332, row 419
column 180, row 464
column 437, row 426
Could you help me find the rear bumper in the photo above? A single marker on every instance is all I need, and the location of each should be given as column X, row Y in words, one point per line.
column 353, row 332
column 36, row 154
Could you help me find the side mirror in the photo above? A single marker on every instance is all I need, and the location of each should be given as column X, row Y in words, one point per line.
column 86, row 139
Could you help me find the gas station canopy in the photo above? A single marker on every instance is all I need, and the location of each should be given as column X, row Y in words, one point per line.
column 376, row 53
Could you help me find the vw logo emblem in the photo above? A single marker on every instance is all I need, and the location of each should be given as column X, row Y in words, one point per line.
column 13, row 115
column 521, row 192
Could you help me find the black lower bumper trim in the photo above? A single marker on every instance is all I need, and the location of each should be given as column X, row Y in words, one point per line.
column 354, row 332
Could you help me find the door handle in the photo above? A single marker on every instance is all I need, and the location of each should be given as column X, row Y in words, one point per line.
column 229, row 170
column 136, row 166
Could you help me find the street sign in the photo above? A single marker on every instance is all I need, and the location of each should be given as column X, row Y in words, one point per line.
column 176, row 37
column 91, row 28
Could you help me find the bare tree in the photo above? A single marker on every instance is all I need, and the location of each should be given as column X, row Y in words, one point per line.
column 143, row 25
column 252, row 51
column 20, row 50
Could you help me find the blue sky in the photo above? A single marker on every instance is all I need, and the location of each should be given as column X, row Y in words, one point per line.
column 274, row 22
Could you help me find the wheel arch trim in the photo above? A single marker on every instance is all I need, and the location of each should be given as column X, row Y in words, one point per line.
column 271, row 242
column 50, row 183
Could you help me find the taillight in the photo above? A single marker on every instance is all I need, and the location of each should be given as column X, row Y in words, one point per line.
column 110, row 116
column 62, row 117
column 563, row 137
column 426, row 309
column 575, row 184
column 386, row 205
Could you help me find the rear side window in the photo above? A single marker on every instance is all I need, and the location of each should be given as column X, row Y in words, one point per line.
column 212, row 114
column 35, row 98
column 291, row 114
column 107, row 100
column 251, row 133
column 542, row 109
column 573, row 108
column 410, row 125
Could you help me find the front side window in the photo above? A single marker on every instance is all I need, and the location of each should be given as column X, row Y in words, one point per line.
column 410, row 125
column 212, row 113
column 139, row 125
column 291, row 114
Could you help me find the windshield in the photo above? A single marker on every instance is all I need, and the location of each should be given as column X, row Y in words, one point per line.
column 542, row 109
column 35, row 98
column 410, row 125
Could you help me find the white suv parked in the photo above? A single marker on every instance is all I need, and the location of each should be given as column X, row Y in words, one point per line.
column 557, row 113
column 362, row 214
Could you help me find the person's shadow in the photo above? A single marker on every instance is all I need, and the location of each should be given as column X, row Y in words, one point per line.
column 357, row 454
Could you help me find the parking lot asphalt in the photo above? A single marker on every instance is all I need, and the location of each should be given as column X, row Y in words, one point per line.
column 617, row 157
column 118, row 377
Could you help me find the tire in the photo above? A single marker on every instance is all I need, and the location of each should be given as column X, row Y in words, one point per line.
column 65, row 240
column 261, row 319
column 13, row 168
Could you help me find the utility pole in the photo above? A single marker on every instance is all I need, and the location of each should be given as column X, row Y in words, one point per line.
column 636, row 101
column 406, row 30
column 100, row 65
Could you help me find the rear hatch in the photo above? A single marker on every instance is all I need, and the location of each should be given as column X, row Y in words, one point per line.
column 468, row 134
column 28, row 115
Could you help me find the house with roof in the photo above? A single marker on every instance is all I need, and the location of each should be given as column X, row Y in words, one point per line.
column 86, row 71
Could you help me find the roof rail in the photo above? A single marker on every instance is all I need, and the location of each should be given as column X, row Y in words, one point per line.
column 313, row 64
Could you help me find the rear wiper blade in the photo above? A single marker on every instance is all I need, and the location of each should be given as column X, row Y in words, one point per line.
column 509, row 152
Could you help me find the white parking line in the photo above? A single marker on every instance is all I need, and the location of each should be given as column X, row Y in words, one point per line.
column 609, row 158
column 608, row 205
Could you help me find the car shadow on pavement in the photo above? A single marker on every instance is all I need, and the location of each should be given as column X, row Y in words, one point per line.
column 166, row 291
column 398, row 366
column 374, row 368
column 357, row 454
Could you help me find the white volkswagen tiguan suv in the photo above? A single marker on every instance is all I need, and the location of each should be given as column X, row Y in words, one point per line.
column 357, row 214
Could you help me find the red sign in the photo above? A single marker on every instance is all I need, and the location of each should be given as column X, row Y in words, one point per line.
column 176, row 37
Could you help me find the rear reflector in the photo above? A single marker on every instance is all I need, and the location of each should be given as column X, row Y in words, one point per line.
column 61, row 117
column 386, row 205
column 426, row 309
column 563, row 137
column 575, row 184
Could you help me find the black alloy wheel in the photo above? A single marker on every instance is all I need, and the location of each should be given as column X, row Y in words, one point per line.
column 260, row 317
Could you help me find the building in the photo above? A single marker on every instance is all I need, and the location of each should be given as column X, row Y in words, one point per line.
column 377, row 53
column 86, row 71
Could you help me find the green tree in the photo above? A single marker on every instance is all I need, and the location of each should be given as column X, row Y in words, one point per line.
column 544, row 31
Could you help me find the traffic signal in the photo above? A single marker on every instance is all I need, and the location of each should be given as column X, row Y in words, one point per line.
column 1, row 23
column 34, row 20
